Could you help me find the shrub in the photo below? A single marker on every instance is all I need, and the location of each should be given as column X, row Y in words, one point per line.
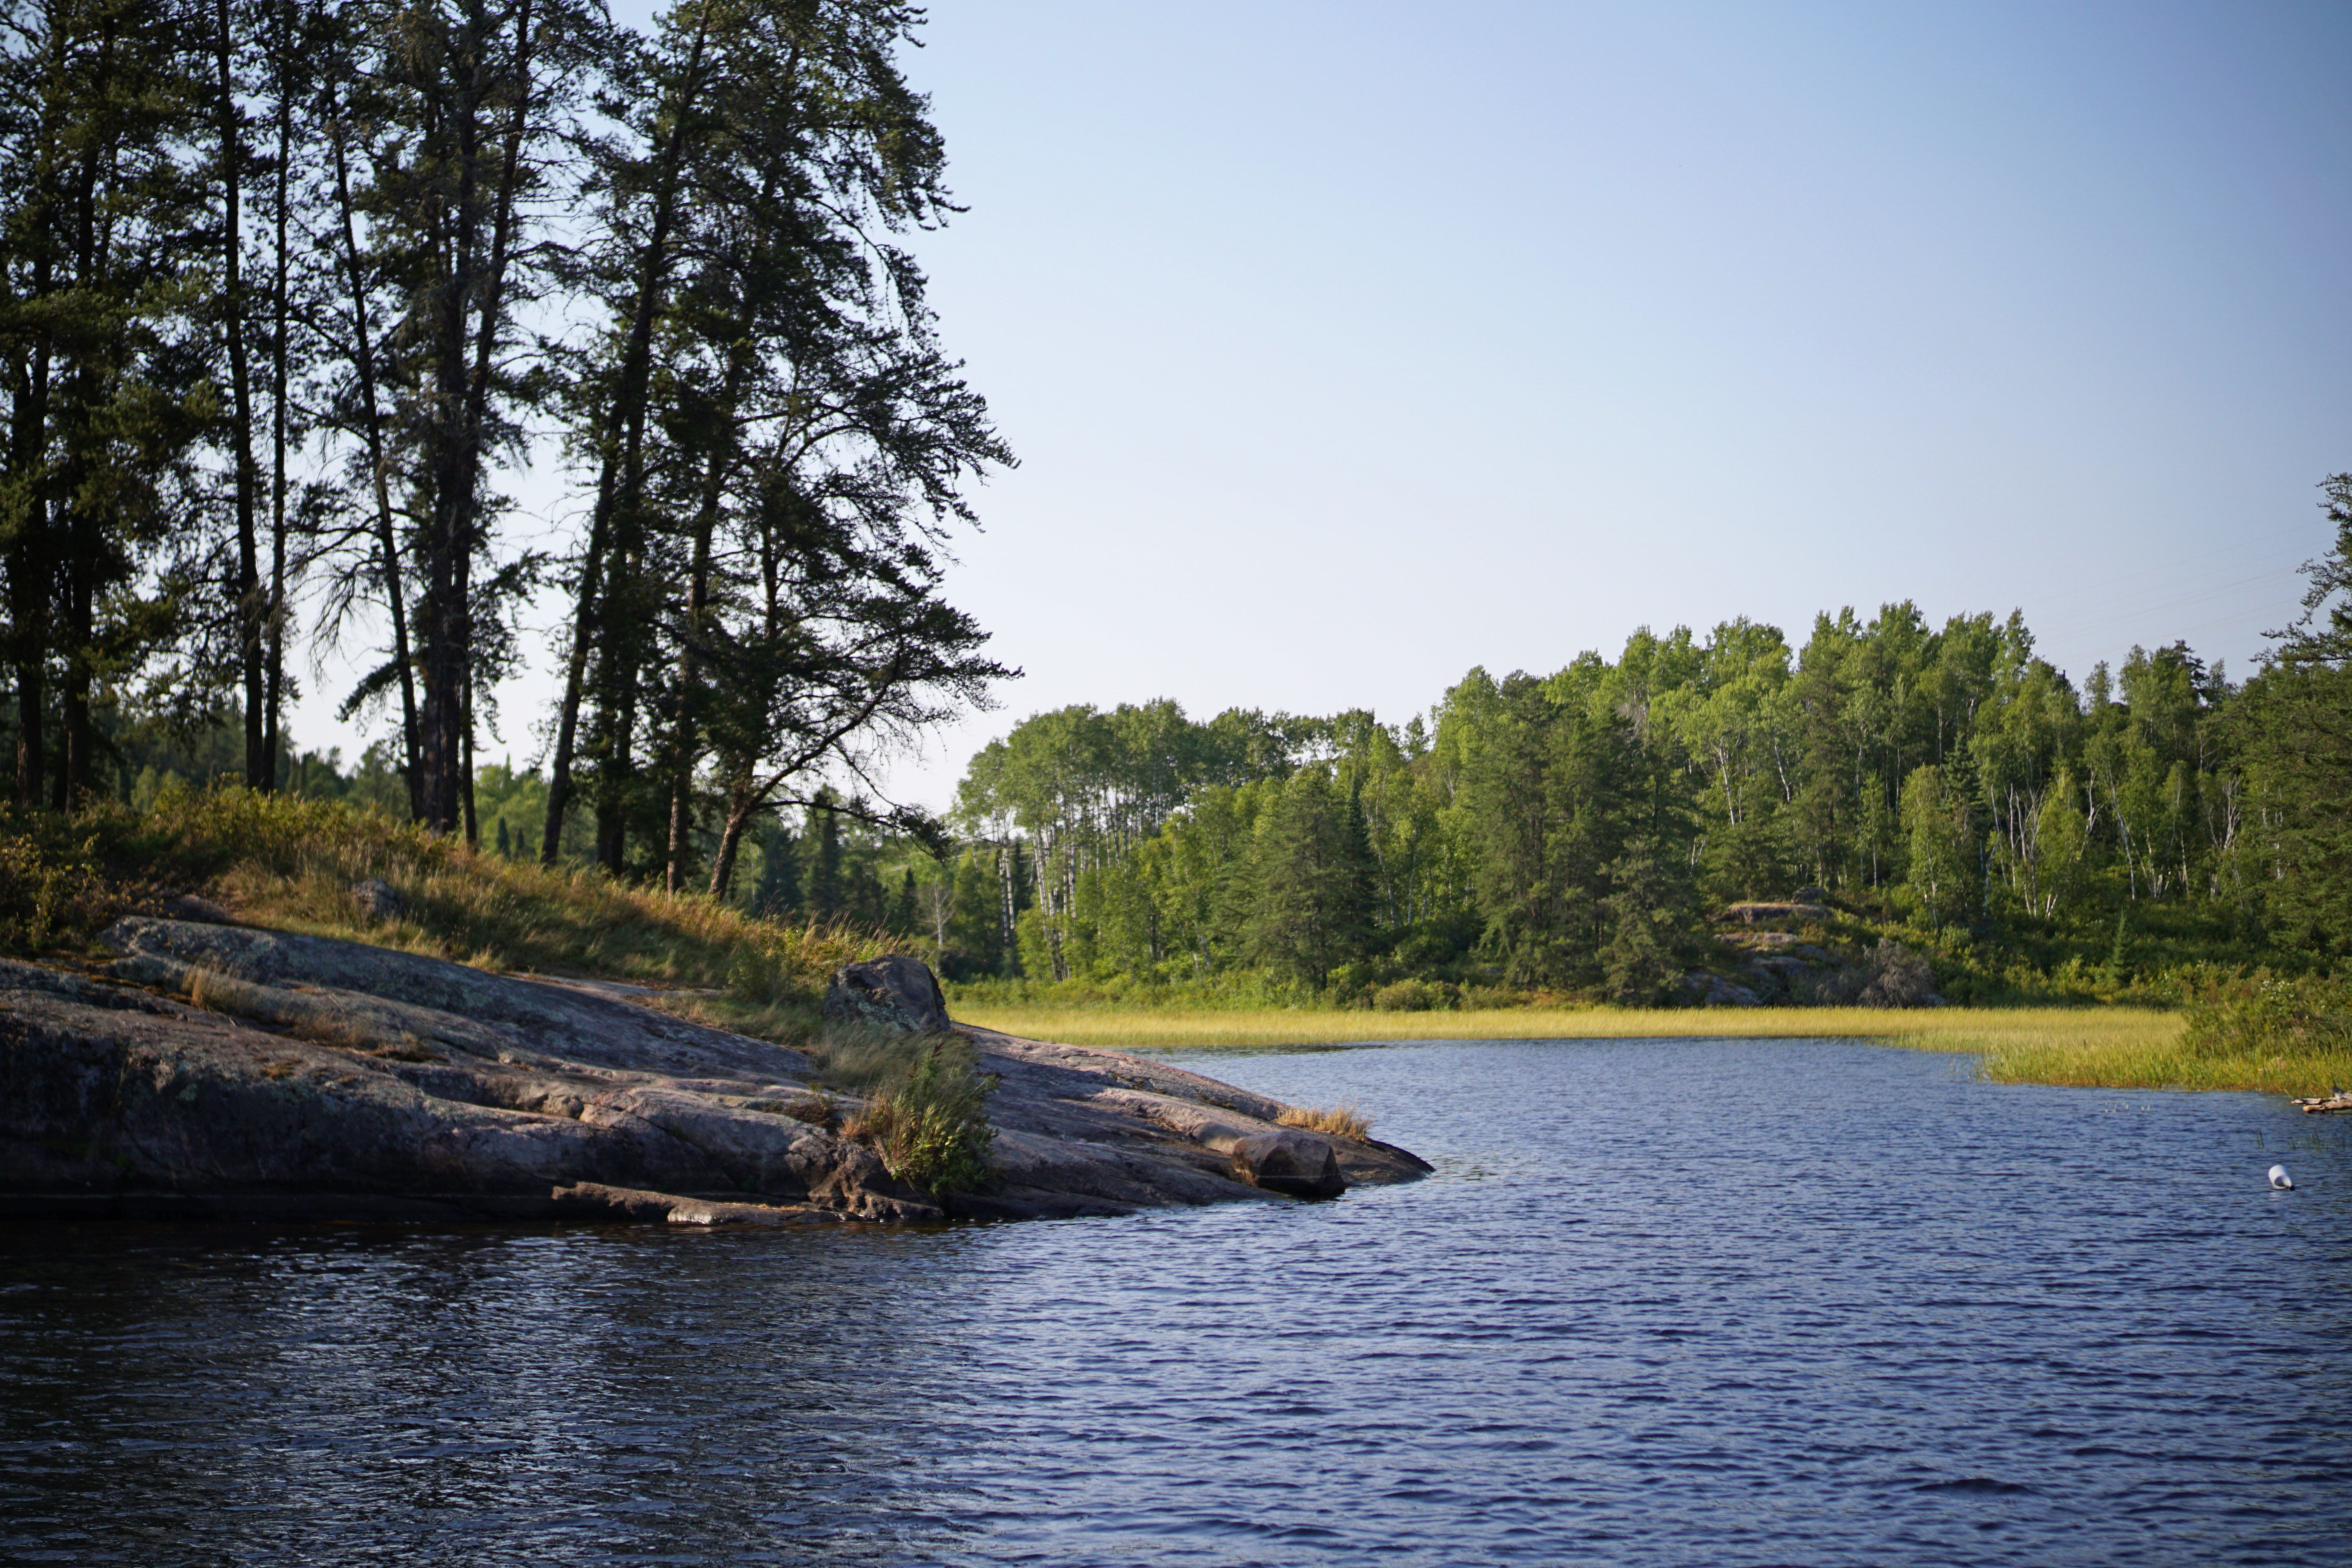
column 2262, row 1015
column 46, row 889
column 1413, row 996
column 930, row 1125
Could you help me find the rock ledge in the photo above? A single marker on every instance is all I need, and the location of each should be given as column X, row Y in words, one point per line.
column 216, row 1071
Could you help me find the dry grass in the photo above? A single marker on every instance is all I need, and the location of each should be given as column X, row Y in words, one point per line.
column 1340, row 1120
column 2119, row 1047
column 290, row 864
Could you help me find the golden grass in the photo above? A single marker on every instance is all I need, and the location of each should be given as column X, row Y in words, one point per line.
column 290, row 864
column 1341, row 1120
column 1952, row 1028
column 2115, row 1048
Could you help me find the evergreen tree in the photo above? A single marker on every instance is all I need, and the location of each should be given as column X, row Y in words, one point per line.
column 828, row 888
column 778, row 894
column 1651, row 924
column 905, row 919
column 1312, row 889
column 2293, row 723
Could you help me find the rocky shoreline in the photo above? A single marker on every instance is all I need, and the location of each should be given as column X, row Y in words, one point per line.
column 218, row 1072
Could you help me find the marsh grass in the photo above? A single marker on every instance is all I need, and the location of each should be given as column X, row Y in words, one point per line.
column 2113, row 1048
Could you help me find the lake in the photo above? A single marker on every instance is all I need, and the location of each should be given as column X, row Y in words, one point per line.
column 1663, row 1301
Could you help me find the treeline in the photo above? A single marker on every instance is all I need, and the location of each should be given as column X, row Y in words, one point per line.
column 298, row 291
column 1573, row 831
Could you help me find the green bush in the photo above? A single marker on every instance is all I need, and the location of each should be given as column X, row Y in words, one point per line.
column 1413, row 996
column 47, row 887
column 2264, row 1014
column 930, row 1125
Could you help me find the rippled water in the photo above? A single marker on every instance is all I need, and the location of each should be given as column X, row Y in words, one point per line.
column 1664, row 1302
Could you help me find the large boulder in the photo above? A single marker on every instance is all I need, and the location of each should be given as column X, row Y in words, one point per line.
column 896, row 993
column 1292, row 1163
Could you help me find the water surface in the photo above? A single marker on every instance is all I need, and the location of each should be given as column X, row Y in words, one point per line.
column 1664, row 1302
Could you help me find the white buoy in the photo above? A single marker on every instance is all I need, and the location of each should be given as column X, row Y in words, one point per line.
column 2281, row 1180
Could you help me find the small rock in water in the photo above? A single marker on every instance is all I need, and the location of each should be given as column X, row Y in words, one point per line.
column 375, row 898
column 2281, row 1180
column 1291, row 1163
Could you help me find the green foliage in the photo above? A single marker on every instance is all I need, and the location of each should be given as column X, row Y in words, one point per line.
column 927, row 1114
column 2263, row 1015
column 1950, row 790
column 1310, row 885
column 1410, row 995
column 47, row 882
column 2294, row 727
column 1936, row 824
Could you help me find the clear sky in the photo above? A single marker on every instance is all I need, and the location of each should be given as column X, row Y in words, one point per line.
column 1348, row 346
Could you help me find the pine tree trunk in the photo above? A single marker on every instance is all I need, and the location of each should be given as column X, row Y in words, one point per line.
column 567, row 721
column 465, row 782
column 250, row 606
column 741, row 807
column 273, row 729
column 379, row 469
column 29, row 564
column 618, row 494
column 463, row 391
column 698, row 602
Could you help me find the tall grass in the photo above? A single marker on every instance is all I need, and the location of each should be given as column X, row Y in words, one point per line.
column 2123, row 1047
column 930, row 1121
column 1949, row 1029
column 290, row 864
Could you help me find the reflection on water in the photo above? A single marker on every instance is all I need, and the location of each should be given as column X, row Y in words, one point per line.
column 1664, row 1302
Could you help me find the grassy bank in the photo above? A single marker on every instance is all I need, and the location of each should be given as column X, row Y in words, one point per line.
column 290, row 864
column 2117, row 1048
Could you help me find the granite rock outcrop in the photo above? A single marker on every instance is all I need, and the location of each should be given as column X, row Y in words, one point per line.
column 220, row 1071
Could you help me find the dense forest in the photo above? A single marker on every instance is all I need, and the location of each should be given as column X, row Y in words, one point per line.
column 304, row 298
column 1573, row 832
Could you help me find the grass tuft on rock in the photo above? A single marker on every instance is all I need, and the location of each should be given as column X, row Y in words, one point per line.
column 929, row 1119
column 1340, row 1120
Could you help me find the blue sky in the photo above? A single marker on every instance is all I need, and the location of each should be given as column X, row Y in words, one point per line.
column 1349, row 346
column 1346, row 347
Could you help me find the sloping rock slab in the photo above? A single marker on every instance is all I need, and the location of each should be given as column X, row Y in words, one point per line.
column 1130, row 1132
column 220, row 1072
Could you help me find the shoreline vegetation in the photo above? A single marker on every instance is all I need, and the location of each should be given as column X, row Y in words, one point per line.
column 2104, row 1047
column 292, row 864
column 2076, row 1047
